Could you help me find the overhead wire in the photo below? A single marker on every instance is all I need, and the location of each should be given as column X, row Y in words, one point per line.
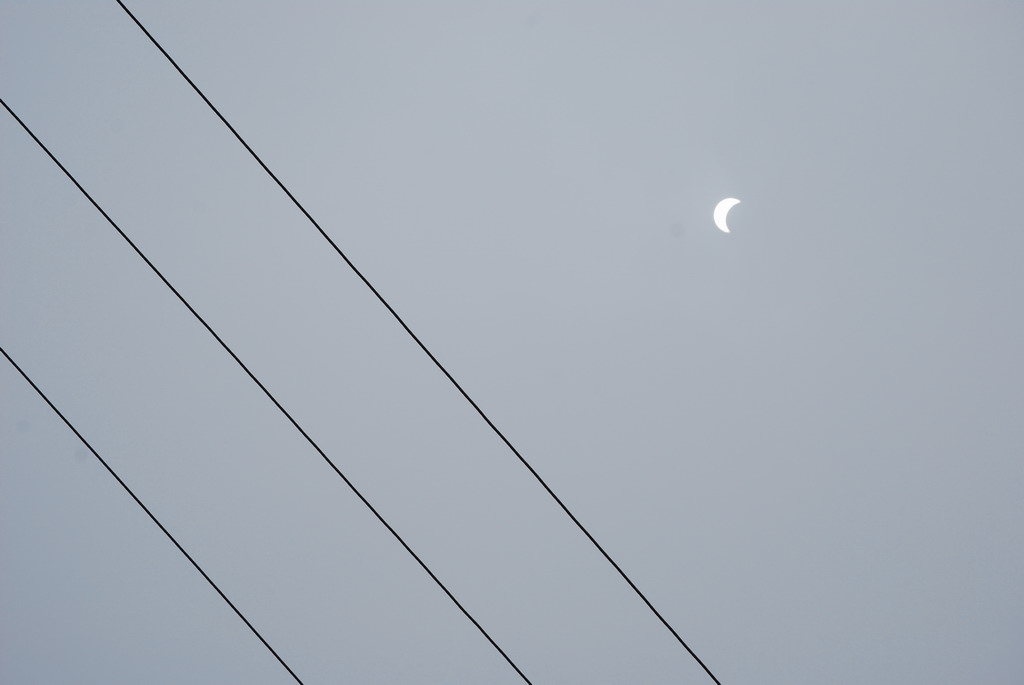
column 273, row 399
column 423, row 347
column 151, row 515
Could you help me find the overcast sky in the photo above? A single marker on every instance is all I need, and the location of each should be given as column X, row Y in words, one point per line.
column 803, row 440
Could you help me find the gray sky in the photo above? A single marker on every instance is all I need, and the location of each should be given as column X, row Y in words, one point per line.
column 802, row 440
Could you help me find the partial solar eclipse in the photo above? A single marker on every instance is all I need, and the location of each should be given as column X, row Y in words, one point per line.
column 722, row 211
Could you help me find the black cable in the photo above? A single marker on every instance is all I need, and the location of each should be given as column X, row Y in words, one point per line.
column 151, row 516
column 269, row 395
column 422, row 346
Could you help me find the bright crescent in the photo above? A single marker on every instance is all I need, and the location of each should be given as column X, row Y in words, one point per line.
column 722, row 211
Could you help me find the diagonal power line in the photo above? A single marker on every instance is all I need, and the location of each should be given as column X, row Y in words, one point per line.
column 151, row 515
column 273, row 399
column 422, row 346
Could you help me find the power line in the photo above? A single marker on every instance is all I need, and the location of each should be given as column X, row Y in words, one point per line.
column 422, row 346
column 151, row 516
column 273, row 399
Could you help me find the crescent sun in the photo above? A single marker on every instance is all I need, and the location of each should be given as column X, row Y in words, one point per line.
column 722, row 211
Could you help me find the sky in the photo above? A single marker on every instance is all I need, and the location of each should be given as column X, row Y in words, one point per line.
column 802, row 440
